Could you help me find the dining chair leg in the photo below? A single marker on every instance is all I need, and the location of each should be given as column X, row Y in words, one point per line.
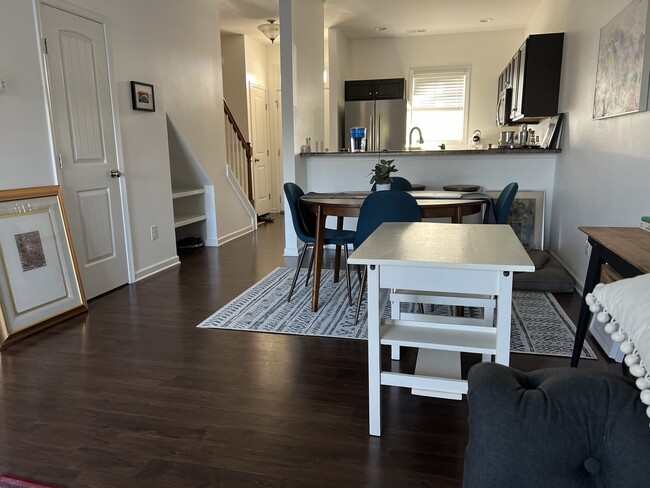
column 298, row 266
column 364, row 274
column 311, row 266
column 347, row 273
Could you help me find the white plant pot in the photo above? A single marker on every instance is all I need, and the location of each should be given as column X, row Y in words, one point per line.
column 383, row 186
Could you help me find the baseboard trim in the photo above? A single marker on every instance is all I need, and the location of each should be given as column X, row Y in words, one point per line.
column 235, row 235
column 156, row 268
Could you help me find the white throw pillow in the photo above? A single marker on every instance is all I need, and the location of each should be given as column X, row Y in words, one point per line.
column 624, row 306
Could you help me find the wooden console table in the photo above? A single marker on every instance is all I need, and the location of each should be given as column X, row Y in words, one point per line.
column 626, row 250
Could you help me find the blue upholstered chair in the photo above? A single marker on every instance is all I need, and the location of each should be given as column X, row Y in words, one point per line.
column 380, row 207
column 304, row 224
column 501, row 207
column 398, row 183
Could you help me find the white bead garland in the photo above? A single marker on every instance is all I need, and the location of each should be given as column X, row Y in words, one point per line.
column 643, row 383
column 627, row 347
column 645, row 397
column 638, row 370
column 631, row 360
column 610, row 327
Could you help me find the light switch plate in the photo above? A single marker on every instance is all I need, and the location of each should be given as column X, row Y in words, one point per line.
column 3, row 85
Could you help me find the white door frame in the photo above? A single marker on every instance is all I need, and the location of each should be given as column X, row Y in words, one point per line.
column 103, row 20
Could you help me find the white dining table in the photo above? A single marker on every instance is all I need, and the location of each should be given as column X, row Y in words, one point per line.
column 460, row 264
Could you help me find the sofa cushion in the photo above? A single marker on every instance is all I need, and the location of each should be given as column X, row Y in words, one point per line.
column 561, row 427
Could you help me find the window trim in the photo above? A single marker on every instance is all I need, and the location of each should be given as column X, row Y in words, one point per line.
column 414, row 72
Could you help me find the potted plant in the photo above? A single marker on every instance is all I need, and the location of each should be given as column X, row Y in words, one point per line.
column 381, row 174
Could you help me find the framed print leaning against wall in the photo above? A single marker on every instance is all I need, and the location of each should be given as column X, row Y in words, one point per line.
column 39, row 278
column 526, row 216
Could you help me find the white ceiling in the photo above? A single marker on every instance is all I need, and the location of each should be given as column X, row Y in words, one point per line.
column 358, row 19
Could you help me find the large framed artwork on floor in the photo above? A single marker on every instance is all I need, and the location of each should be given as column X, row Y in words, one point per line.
column 39, row 278
column 526, row 216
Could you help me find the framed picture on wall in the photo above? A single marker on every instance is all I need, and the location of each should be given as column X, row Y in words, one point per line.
column 526, row 216
column 623, row 67
column 39, row 277
column 142, row 96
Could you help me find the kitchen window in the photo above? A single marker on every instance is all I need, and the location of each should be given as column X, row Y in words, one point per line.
column 439, row 105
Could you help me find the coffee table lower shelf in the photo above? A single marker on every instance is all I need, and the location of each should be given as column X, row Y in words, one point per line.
column 438, row 368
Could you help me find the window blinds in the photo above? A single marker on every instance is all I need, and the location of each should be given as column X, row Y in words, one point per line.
column 439, row 90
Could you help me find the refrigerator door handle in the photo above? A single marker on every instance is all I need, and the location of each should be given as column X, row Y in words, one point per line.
column 370, row 141
column 378, row 138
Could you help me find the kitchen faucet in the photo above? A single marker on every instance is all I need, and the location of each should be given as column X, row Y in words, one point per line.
column 420, row 140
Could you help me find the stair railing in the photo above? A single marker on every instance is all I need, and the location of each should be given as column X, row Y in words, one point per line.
column 239, row 153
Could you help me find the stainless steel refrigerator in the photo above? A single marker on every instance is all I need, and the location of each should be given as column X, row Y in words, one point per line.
column 384, row 120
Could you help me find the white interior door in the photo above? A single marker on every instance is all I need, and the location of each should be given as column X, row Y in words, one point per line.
column 278, row 173
column 82, row 113
column 260, row 142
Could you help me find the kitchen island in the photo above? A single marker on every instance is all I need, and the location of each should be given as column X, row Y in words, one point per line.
column 493, row 169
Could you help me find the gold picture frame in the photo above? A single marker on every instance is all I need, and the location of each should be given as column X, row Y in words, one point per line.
column 39, row 277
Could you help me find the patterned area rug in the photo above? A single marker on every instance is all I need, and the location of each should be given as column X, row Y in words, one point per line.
column 539, row 325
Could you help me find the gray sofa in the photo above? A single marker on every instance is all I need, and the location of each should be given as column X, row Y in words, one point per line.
column 555, row 428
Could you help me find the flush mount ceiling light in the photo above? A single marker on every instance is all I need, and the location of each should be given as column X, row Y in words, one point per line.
column 270, row 30
column 486, row 19
column 380, row 28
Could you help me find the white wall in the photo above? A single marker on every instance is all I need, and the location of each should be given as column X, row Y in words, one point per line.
column 233, row 61
column 603, row 172
column 487, row 53
column 302, row 48
column 25, row 148
column 338, row 53
column 178, row 50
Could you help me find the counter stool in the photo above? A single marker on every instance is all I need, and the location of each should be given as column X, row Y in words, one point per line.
column 469, row 188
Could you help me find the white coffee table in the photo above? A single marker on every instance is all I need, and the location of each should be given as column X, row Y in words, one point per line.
column 458, row 262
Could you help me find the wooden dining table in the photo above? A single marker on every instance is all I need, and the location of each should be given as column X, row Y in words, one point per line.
column 432, row 204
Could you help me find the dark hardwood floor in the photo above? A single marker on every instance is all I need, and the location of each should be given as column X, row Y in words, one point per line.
column 134, row 395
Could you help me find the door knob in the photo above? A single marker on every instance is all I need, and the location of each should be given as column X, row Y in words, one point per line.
column 116, row 173
column 257, row 160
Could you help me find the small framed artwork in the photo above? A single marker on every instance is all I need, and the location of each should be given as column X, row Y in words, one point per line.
column 526, row 217
column 142, row 96
column 550, row 129
column 39, row 278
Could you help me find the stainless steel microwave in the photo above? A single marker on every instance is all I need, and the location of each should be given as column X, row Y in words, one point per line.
column 504, row 105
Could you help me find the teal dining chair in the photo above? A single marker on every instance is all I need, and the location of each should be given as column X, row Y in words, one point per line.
column 380, row 207
column 504, row 203
column 498, row 213
column 304, row 224
column 397, row 183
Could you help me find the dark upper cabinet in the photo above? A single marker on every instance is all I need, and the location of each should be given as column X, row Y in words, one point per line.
column 387, row 89
column 534, row 76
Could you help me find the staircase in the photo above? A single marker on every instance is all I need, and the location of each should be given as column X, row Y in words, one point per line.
column 239, row 154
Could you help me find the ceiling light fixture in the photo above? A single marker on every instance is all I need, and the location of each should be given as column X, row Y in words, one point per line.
column 486, row 19
column 270, row 30
column 380, row 28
